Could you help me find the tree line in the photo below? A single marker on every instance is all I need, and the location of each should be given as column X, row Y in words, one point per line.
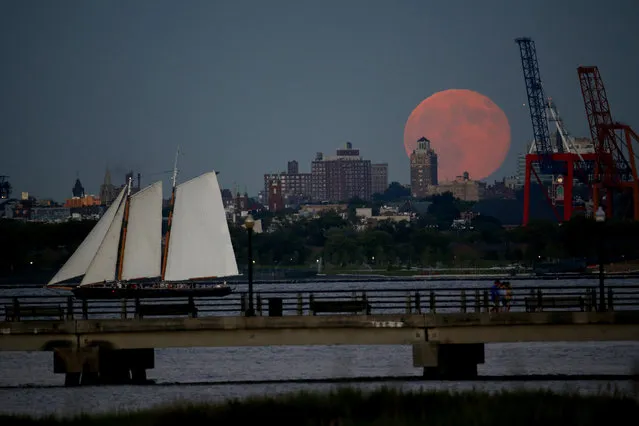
column 426, row 241
column 404, row 244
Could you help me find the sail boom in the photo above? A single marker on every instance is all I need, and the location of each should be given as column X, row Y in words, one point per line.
column 195, row 279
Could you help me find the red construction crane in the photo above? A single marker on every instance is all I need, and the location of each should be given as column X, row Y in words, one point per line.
column 564, row 165
column 614, row 165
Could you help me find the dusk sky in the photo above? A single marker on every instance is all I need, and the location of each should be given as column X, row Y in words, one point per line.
column 245, row 85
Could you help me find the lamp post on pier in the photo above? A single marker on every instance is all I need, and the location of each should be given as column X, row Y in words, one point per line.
column 600, row 218
column 249, row 222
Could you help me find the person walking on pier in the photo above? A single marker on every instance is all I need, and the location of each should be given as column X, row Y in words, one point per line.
column 507, row 295
column 495, row 296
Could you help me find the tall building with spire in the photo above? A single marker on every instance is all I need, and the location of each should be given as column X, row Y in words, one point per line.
column 80, row 199
column 423, row 168
column 78, row 189
column 107, row 190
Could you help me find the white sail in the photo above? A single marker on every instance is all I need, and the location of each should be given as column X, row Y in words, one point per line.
column 103, row 264
column 199, row 242
column 78, row 263
column 143, row 244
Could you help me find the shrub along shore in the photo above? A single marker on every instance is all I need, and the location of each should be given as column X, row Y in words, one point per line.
column 381, row 407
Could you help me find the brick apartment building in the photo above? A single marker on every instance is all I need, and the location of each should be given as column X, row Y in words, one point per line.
column 379, row 178
column 293, row 185
column 423, row 168
column 341, row 177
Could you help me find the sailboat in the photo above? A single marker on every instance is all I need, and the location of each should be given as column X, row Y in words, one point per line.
column 122, row 256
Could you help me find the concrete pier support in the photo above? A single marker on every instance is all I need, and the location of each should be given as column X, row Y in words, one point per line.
column 72, row 379
column 95, row 365
column 125, row 365
column 114, row 368
column 448, row 361
column 72, row 362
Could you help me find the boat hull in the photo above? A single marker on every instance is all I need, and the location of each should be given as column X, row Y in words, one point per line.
column 86, row 293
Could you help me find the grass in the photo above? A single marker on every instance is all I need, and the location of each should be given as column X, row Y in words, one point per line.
column 390, row 407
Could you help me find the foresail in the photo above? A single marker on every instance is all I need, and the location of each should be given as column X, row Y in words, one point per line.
column 143, row 248
column 80, row 260
column 103, row 264
column 200, row 243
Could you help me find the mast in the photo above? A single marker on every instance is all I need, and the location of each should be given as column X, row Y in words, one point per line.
column 125, row 221
column 171, row 207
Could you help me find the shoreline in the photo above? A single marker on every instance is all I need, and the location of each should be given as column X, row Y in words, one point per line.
column 354, row 278
column 382, row 406
column 524, row 378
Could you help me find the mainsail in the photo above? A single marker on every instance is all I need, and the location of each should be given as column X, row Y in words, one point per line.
column 143, row 248
column 79, row 262
column 200, row 243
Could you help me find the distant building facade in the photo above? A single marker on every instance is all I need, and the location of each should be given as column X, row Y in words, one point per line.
column 227, row 197
column 379, row 178
column 275, row 198
column 108, row 192
column 86, row 201
column 294, row 185
column 80, row 199
column 423, row 168
column 78, row 189
column 5, row 188
column 501, row 190
column 50, row 214
column 463, row 188
column 319, row 182
column 293, row 167
column 341, row 177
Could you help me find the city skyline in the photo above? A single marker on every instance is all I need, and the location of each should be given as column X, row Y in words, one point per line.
column 332, row 179
column 239, row 85
column 292, row 168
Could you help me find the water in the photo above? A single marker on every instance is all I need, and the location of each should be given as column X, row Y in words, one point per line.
column 28, row 385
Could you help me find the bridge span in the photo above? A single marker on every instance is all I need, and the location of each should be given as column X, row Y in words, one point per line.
column 113, row 340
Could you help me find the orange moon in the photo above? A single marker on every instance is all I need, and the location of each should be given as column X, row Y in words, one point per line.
column 467, row 130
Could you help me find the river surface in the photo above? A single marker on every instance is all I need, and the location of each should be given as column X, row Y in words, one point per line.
column 28, row 385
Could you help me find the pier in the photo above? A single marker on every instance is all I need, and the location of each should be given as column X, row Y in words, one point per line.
column 113, row 341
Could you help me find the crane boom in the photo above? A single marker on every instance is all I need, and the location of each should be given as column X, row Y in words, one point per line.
column 614, row 167
column 536, row 103
column 612, row 163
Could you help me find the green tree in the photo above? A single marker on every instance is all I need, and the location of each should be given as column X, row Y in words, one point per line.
column 444, row 209
column 378, row 245
column 341, row 247
column 395, row 192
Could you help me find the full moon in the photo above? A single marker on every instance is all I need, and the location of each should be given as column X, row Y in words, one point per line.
column 467, row 130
